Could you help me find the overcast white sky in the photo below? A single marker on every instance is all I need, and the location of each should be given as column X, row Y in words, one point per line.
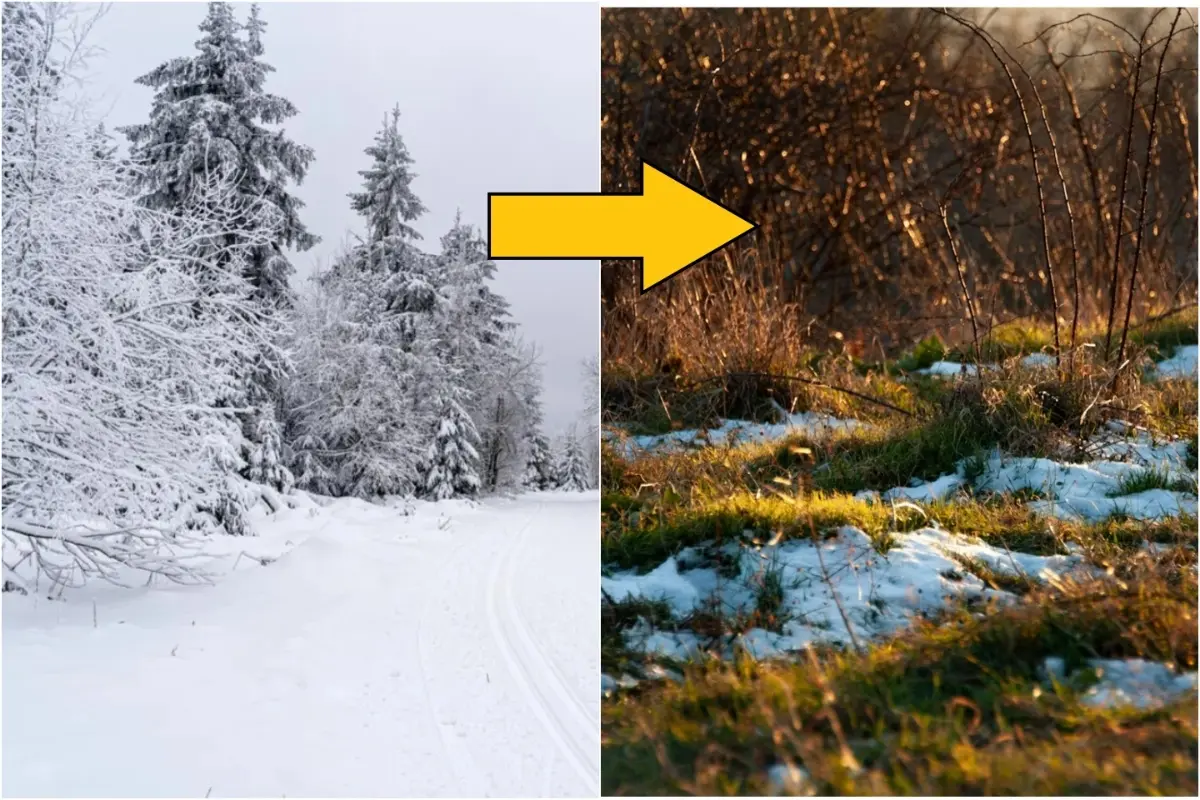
column 493, row 98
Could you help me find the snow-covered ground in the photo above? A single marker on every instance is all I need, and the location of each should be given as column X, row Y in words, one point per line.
column 844, row 588
column 836, row 591
column 361, row 652
column 1181, row 364
column 737, row 431
column 1090, row 491
column 951, row 368
column 1136, row 683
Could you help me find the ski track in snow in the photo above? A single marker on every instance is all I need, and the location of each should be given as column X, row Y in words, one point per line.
column 379, row 656
column 530, row 668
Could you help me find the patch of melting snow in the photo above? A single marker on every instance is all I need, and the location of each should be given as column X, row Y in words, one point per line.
column 951, row 368
column 1121, row 442
column 1181, row 364
column 1128, row 683
column 938, row 489
column 1136, row 682
column 1038, row 360
column 790, row 779
column 834, row 592
column 650, row 672
column 1084, row 492
column 808, row 423
column 1148, row 505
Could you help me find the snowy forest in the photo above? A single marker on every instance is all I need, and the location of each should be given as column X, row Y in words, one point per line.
column 163, row 370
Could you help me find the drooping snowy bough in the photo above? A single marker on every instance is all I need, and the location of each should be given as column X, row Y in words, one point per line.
column 123, row 327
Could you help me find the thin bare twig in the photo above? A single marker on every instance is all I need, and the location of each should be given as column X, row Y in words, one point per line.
column 1141, row 224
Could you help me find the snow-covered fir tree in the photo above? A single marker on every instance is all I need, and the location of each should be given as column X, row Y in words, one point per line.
column 211, row 114
column 478, row 316
column 452, row 463
column 113, row 356
column 368, row 373
column 475, row 334
column 539, row 467
column 540, row 473
column 390, row 340
column 387, row 201
column 572, row 467
column 212, row 119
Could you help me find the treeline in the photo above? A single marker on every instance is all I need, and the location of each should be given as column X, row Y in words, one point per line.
column 161, row 374
column 906, row 165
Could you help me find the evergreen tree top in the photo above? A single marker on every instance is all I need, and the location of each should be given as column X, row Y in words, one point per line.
column 464, row 258
column 387, row 201
column 211, row 112
column 254, row 31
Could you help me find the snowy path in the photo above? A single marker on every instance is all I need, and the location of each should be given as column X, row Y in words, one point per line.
column 451, row 653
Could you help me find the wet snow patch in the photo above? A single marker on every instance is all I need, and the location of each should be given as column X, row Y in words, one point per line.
column 1181, row 364
column 1090, row 492
column 834, row 591
column 732, row 432
column 1126, row 682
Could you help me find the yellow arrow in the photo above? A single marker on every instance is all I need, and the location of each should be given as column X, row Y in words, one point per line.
column 668, row 226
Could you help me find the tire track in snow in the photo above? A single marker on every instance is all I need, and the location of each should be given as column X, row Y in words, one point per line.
column 555, row 678
column 541, row 707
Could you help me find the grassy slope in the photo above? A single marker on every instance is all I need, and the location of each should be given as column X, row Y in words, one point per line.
column 953, row 706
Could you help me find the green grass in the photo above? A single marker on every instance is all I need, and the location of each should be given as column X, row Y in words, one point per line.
column 886, row 453
column 617, row 618
column 1007, row 341
column 1166, row 334
column 1146, row 480
column 954, row 706
column 769, row 595
column 926, row 352
column 1023, row 338
column 1003, row 521
column 925, row 451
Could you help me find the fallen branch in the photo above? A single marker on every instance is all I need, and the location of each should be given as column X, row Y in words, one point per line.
column 102, row 553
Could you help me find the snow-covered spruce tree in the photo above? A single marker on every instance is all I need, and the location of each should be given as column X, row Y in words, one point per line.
column 350, row 424
column 478, row 318
column 114, row 350
column 477, row 343
column 452, row 463
column 362, row 403
column 540, row 473
column 572, row 469
column 211, row 116
column 387, row 201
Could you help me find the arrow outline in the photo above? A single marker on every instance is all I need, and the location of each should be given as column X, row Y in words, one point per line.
column 639, row 259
